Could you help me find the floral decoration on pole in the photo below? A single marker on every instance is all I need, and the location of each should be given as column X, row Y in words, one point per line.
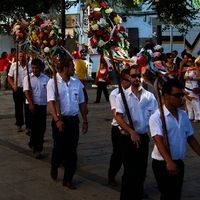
column 110, row 38
column 105, row 30
column 19, row 33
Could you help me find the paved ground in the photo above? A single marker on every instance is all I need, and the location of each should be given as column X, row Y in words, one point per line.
column 23, row 177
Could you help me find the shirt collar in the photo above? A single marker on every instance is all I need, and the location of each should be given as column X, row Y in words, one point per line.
column 167, row 112
column 129, row 91
column 60, row 80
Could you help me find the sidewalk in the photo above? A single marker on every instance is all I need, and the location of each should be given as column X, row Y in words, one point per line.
column 24, row 177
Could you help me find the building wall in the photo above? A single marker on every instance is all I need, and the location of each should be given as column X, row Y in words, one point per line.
column 6, row 43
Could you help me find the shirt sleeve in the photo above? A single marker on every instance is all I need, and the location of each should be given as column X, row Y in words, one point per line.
column 25, row 83
column 50, row 91
column 81, row 94
column 155, row 125
column 11, row 70
column 112, row 99
column 119, row 104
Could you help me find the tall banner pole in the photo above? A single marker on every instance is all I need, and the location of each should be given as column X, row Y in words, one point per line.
column 17, row 65
column 121, row 90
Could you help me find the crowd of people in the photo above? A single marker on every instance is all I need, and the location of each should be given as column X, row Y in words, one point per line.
column 135, row 113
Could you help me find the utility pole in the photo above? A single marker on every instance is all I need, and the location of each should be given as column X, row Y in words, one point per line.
column 63, row 22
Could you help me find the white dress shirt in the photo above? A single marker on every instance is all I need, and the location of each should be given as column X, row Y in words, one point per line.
column 112, row 99
column 178, row 131
column 22, row 72
column 140, row 110
column 38, row 88
column 70, row 95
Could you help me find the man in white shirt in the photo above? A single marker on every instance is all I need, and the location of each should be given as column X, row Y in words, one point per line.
column 17, row 86
column 167, row 164
column 35, row 90
column 134, row 140
column 116, row 158
column 65, row 128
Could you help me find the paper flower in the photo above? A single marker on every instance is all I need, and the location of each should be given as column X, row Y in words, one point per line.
column 105, row 31
column 43, row 34
column 19, row 30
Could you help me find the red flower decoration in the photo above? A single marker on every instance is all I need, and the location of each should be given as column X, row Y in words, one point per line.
column 103, row 4
column 97, row 15
column 99, row 32
column 105, row 38
column 92, row 43
column 116, row 39
column 122, row 29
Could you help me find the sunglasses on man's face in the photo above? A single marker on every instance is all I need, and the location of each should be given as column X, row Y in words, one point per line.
column 178, row 94
column 125, row 79
column 189, row 60
column 135, row 75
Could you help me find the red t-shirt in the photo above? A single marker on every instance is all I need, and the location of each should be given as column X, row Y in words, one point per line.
column 4, row 64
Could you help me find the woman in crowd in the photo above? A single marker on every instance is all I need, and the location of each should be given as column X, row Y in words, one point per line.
column 102, row 80
column 4, row 63
column 170, row 65
column 191, row 81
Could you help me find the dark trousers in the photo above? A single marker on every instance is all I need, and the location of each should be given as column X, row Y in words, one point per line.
column 116, row 157
column 135, row 165
column 20, row 108
column 65, row 146
column 169, row 185
column 38, row 127
column 102, row 86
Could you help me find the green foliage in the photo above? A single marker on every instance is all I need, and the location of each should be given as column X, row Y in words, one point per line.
column 182, row 14
column 27, row 9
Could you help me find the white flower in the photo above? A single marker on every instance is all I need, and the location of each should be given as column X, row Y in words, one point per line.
column 101, row 43
column 108, row 11
column 102, row 22
column 95, row 27
column 97, row 9
column 46, row 50
column 157, row 47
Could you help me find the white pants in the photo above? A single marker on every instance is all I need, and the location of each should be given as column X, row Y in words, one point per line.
column 193, row 107
column 3, row 75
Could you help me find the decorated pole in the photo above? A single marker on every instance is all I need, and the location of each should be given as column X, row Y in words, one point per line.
column 121, row 91
column 17, row 65
column 110, row 38
column 164, row 127
column 56, row 90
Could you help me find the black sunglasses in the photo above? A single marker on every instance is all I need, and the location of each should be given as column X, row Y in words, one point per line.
column 178, row 95
column 189, row 60
column 125, row 79
column 135, row 75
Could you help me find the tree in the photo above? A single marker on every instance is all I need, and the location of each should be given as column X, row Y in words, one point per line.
column 182, row 14
column 27, row 9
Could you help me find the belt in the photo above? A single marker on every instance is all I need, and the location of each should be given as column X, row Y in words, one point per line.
column 67, row 117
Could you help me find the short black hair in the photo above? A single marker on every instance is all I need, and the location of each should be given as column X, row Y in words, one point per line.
column 12, row 50
column 124, row 72
column 168, row 85
column 175, row 51
column 37, row 62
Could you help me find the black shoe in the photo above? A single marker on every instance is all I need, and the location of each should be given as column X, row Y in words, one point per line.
column 37, row 155
column 112, row 181
column 69, row 185
column 54, row 173
column 30, row 146
column 97, row 102
column 28, row 132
